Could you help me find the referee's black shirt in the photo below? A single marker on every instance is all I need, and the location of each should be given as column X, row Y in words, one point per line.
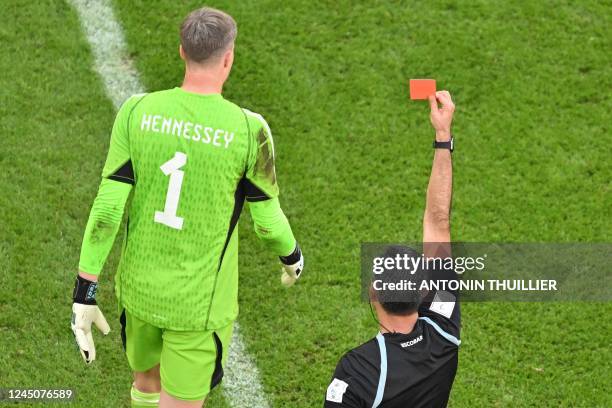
column 403, row 370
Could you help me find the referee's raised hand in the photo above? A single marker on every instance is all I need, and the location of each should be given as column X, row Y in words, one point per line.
column 441, row 117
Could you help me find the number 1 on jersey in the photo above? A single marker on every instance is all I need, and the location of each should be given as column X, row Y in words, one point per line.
column 171, row 168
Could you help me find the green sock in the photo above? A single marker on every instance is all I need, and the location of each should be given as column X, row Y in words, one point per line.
column 144, row 399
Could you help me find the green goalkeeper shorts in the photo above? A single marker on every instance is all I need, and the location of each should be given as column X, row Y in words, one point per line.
column 191, row 362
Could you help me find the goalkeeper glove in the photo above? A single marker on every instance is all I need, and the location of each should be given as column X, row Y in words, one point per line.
column 85, row 311
column 293, row 265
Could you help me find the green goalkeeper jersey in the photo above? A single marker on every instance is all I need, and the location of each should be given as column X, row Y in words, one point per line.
column 193, row 159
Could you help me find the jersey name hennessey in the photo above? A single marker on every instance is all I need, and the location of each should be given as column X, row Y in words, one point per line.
column 196, row 132
column 191, row 156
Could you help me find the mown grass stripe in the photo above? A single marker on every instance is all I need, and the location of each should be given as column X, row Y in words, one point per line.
column 241, row 384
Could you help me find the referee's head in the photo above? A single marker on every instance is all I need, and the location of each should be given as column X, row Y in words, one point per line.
column 391, row 291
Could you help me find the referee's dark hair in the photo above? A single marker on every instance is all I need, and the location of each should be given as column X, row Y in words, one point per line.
column 398, row 302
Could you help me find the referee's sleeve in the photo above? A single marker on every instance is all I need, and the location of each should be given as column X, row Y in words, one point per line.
column 342, row 391
column 443, row 306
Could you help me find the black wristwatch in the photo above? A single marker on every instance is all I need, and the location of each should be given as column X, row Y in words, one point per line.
column 450, row 145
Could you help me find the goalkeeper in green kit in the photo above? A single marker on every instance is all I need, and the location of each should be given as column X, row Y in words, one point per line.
column 189, row 158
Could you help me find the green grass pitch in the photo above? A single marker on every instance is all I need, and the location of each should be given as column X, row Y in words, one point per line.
column 532, row 85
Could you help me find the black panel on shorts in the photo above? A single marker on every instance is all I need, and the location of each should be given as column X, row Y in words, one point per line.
column 218, row 373
column 123, row 324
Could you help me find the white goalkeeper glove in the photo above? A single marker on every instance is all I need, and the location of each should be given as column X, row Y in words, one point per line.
column 293, row 265
column 85, row 311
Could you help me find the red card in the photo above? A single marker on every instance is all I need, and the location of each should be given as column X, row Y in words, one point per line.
column 422, row 88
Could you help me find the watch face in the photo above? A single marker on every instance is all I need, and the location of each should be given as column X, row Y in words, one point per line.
column 452, row 141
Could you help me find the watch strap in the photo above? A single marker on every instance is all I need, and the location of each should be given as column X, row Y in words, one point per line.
column 450, row 144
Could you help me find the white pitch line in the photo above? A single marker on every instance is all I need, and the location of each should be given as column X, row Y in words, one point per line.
column 241, row 385
column 111, row 59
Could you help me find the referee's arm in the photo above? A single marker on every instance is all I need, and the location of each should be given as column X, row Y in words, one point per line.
column 436, row 221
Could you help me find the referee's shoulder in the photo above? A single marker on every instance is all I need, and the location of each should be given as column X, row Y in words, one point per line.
column 355, row 378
